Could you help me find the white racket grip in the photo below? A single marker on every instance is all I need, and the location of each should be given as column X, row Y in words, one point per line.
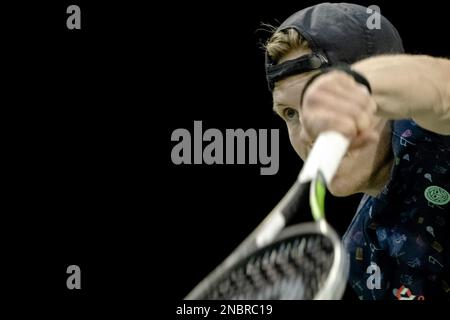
column 325, row 156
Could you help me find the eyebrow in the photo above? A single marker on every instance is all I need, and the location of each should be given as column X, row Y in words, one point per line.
column 277, row 106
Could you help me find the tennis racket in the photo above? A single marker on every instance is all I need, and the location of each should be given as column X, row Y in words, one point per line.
column 302, row 262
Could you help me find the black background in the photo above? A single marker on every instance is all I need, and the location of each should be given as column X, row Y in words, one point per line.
column 88, row 123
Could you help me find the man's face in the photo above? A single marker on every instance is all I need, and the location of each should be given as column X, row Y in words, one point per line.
column 359, row 169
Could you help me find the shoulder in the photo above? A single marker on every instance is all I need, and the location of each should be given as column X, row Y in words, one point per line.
column 408, row 134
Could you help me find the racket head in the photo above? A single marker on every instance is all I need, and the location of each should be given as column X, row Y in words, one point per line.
column 306, row 261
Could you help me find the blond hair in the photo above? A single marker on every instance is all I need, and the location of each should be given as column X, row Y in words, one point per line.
column 283, row 42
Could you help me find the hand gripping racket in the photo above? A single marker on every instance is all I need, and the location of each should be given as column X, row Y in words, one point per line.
column 304, row 261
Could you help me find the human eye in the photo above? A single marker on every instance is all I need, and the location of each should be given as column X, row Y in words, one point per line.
column 290, row 114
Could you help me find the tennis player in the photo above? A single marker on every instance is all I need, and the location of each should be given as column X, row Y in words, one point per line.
column 399, row 158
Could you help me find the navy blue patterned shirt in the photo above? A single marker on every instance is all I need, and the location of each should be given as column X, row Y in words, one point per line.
column 399, row 241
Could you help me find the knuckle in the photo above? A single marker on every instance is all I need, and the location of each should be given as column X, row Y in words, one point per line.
column 344, row 124
column 312, row 96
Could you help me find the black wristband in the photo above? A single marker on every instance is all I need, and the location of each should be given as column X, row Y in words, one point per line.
column 342, row 67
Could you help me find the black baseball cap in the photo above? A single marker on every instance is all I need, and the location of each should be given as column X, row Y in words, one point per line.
column 337, row 33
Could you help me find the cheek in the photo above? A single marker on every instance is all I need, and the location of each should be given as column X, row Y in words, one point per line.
column 353, row 172
column 297, row 142
column 346, row 180
column 353, row 165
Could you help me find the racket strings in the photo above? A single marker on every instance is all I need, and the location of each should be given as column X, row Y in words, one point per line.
column 294, row 268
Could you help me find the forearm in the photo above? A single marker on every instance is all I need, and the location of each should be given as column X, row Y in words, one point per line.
column 411, row 86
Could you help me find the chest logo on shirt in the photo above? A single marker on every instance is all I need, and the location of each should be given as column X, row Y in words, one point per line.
column 437, row 195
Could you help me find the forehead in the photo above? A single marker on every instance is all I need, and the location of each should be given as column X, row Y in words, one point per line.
column 289, row 90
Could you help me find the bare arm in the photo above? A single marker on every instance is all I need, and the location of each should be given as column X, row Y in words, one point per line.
column 411, row 86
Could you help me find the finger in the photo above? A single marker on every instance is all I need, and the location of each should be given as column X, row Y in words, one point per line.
column 344, row 86
column 326, row 101
column 325, row 120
